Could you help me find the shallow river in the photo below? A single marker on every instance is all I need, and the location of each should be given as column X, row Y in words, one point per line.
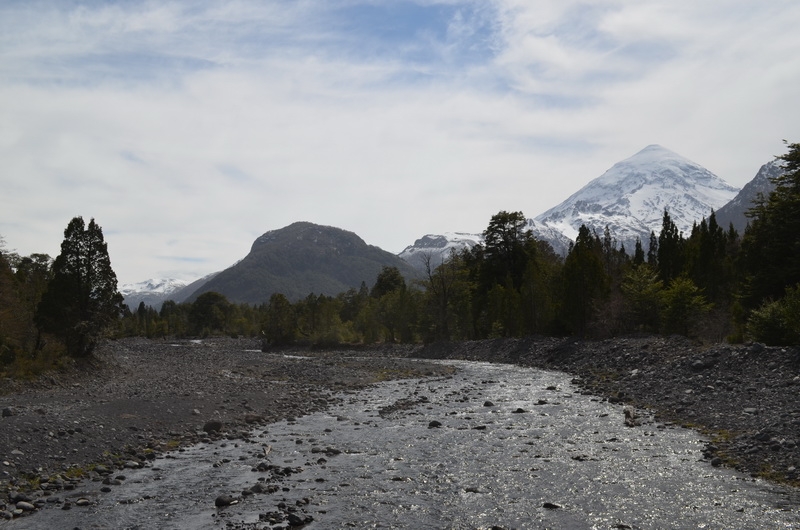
column 516, row 448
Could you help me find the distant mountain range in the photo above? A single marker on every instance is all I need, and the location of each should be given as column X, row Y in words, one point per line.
column 629, row 199
column 151, row 292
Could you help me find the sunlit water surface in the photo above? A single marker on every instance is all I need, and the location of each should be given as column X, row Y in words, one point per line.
column 539, row 455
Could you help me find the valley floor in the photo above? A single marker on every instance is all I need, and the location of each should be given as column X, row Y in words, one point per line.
column 142, row 397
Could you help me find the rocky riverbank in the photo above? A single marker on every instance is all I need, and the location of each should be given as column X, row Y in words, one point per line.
column 140, row 398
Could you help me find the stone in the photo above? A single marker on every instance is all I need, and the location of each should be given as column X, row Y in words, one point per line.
column 551, row 506
column 25, row 506
column 212, row 426
column 296, row 520
column 253, row 418
column 258, row 488
column 224, row 500
column 8, row 411
column 18, row 496
column 434, row 424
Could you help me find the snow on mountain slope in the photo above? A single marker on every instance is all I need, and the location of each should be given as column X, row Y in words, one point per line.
column 438, row 248
column 152, row 292
column 630, row 198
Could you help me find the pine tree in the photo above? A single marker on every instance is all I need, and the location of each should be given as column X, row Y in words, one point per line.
column 670, row 250
column 81, row 300
column 507, row 247
column 638, row 253
column 585, row 280
column 771, row 244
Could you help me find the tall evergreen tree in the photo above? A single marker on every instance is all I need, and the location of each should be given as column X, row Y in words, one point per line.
column 771, row 244
column 507, row 246
column 81, row 300
column 670, row 250
column 652, row 250
column 585, row 280
column 638, row 253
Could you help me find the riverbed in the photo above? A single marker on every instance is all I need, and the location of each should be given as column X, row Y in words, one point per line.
column 493, row 446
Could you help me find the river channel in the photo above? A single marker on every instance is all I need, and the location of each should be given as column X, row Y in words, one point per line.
column 494, row 446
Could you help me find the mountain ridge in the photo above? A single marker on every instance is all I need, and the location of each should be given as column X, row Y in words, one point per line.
column 300, row 259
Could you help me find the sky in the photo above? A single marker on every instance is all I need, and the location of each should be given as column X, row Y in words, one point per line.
column 187, row 129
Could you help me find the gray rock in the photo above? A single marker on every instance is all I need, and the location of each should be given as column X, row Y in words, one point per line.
column 224, row 500
column 18, row 496
column 25, row 506
column 212, row 426
column 253, row 418
column 296, row 520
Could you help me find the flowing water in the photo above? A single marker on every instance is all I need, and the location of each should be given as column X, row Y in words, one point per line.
column 515, row 448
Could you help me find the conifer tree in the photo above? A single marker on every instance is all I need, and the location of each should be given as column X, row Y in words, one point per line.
column 771, row 244
column 585, row 280
column 81, row 300
column 670, row 250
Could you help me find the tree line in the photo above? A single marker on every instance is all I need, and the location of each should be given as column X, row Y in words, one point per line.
column 712, row 284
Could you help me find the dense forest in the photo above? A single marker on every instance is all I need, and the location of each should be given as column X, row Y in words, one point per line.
column 712, row 284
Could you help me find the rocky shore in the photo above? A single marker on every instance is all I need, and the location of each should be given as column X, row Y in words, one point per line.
column 142, row 398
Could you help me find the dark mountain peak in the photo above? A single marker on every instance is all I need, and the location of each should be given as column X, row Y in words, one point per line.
column 301, row 259
column 309, row 235
column 735, row 211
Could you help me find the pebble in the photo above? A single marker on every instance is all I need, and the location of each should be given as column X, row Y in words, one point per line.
column 25, row 506
column 224, row 500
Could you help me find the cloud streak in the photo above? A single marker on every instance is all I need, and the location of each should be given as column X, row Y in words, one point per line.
column 188, row 129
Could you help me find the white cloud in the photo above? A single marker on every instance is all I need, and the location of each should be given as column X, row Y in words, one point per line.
column 189, row 129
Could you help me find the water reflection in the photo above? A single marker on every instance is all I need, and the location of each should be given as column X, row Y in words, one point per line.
column 492, row 446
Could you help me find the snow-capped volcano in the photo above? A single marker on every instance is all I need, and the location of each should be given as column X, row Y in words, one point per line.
column 152, row 292
column 630, row 198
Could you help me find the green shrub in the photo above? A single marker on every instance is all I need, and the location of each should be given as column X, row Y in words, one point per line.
column 777, row 323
